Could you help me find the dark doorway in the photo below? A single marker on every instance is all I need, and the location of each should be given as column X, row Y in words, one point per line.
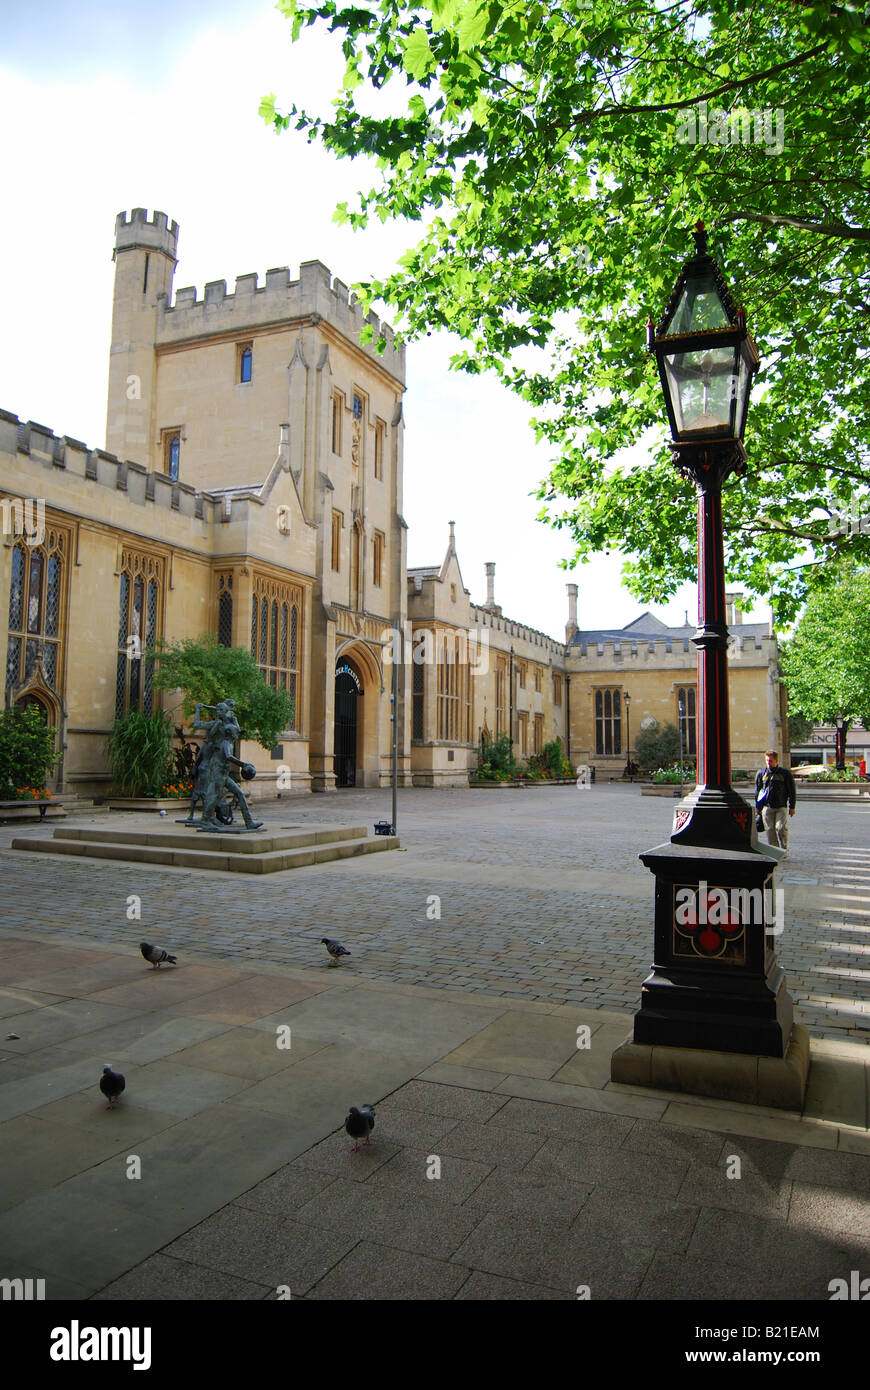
column 347, row 692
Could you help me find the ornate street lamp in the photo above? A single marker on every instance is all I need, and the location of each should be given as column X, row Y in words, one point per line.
column 715, row 984
column 706, row 361
column 628, row 768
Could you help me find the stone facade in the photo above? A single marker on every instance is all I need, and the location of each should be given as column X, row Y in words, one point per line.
column 251, row 488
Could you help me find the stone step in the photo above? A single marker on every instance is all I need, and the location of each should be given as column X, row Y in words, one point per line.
column 320, row 849
column 188, row 838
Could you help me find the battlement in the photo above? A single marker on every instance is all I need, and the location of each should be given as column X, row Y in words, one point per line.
column 156, row 234
column 485, row 617
column 314, row 296
column 47, row 450
column 746, row 639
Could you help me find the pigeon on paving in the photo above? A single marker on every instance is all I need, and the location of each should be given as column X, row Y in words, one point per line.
column 335, row 949
column 360, row 1123
column 155, row 954
column 112, row 1084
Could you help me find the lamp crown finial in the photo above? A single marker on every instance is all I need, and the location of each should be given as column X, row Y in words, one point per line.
column 700, row 235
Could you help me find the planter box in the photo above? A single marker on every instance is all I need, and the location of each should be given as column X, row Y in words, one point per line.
column 545, row 782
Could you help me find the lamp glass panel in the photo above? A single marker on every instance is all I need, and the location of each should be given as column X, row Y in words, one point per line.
column 699, row 308
column 744, row 382
column 701, row 386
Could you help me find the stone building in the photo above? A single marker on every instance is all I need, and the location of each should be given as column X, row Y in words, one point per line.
column 251, row 488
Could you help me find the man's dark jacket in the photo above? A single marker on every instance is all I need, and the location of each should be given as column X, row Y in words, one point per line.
column 782, row 788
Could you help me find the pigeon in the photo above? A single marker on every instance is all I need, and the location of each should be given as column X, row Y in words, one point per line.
column 112, row 1084
column 335, row 949
column 360, row 1123
column 155, row 954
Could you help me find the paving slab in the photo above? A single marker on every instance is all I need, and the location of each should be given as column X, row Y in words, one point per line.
column 263, row 1249
column 372, row 1271
column 543, row 1252
column 165, row 1279
column 245, row 1052
column 529, row 1045
column 251, row 998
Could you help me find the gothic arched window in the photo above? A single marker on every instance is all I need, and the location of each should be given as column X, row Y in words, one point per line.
column 36, row 609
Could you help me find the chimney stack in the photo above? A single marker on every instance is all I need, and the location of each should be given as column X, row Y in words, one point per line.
column 733, row 611
column 571, row 625
column 490, row 584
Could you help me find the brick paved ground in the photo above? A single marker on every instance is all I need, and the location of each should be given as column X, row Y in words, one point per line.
column 541, row 897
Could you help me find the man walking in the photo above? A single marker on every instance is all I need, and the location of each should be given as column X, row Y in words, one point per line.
column 775, row 797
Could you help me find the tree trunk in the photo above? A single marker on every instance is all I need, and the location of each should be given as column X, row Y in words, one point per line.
column 842, row 727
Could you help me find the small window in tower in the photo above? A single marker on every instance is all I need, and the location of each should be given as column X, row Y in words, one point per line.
column 337, row 523
column 357, row 407
column 378, row 558
column 245, row 362
column 337, row 405
column 380, row 434
column 171, row 452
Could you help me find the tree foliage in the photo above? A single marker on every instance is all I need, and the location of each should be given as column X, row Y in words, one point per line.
column 657, row 747
column 208, row 672
column 826, row 665
column 551, row 151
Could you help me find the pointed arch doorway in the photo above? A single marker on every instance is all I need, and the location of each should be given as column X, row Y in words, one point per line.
column 348, row 692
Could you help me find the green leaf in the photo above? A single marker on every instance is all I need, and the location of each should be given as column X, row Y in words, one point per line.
column 419, row 59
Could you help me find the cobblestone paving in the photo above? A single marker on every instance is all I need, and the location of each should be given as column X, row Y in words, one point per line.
column 540, row 893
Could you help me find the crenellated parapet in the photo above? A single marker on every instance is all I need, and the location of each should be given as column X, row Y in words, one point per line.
column 484, row 617
column 45, row 450
column 664, row 652
column 143, row 233
column 314, row 297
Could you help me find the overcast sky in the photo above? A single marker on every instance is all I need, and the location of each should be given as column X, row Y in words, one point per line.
column 105, row 107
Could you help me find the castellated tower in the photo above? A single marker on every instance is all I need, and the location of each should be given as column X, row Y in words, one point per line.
column 145, row 263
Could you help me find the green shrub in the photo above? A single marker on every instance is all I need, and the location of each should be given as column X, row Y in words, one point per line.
column 27, row 750
column 497, row 754
column 657, row 747
column 140, row 753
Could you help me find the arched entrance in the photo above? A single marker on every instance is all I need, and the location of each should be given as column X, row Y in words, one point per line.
column 348, row 692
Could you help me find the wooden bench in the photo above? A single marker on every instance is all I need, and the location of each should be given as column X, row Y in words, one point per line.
column 17, row 805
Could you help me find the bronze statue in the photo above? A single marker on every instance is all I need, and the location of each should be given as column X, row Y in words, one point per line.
column 212, row 774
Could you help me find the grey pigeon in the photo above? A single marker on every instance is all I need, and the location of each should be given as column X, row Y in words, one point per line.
column 360, row 1123
column 155, row 954
column 335, row 949
column 112, row 1084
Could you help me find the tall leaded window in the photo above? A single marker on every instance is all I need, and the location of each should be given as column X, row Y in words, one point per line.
column 139, row 623
column 276, row 636
column 225, row 610
column 418, row 691
column 686, row 720
column 608, row 721
column 501, row 684
column 36, row 598
column 454, row 688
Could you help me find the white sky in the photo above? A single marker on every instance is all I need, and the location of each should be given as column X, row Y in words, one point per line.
column 106, row 107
